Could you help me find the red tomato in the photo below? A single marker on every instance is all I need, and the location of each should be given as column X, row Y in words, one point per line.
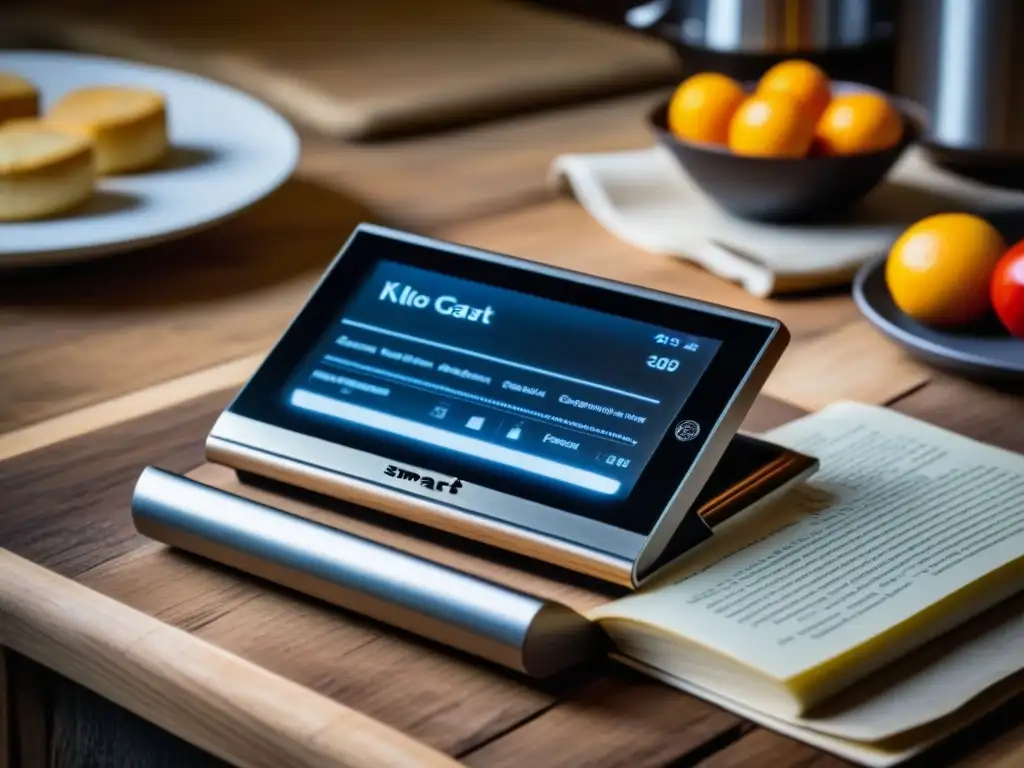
column 1008, row 289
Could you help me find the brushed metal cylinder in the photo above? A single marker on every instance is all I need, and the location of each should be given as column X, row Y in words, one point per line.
column 958, row 59
column 513, row 629
column 767, row 26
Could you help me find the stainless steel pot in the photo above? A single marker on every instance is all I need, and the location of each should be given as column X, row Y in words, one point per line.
column 958, row 60
column 767, row 26
column 851, row 39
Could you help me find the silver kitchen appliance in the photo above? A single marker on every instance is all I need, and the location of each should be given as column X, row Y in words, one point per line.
column 850, row 39
column 957, row 60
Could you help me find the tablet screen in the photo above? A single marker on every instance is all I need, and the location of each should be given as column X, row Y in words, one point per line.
column 516, row 380
column 534, row 387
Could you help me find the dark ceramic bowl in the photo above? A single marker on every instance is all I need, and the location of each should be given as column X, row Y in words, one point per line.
column 784, row 190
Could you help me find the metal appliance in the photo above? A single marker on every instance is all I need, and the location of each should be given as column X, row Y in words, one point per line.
column 957, row 60
column 850, row 39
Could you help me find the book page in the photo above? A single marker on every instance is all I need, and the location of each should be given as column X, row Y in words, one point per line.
column 900, row 516
column 877, row 754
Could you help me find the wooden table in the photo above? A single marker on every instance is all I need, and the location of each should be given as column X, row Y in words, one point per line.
column 108, row 367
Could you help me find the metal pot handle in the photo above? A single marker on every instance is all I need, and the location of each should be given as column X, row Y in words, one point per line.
column 647, row 16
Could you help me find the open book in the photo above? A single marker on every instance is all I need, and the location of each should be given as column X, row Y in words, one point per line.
column 795, row 615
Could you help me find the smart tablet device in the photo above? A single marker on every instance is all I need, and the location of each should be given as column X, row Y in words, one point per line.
column 558, row 415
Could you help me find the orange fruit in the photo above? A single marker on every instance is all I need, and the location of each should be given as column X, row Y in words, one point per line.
column 939, row 270
column 770, row 125
column 701, row 107
column 855, row 123
column 805, row 82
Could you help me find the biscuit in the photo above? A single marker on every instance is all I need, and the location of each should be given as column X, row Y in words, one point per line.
column 127, row 126
column 18, row 97
column 43, row 172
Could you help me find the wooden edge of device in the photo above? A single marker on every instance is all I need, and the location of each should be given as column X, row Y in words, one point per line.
column 219, row 702
column 494, row 533
column 737, row 498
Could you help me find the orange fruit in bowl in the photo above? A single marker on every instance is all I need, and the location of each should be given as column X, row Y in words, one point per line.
column 702, row 106
column 807, row 83
column 770, row 125
column 856, row 123
column 939, row 270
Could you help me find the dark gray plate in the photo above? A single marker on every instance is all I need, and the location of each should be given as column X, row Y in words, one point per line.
column 985, row 351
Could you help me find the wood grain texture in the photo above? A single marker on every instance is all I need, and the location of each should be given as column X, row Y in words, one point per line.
column 443, row 698
column 996, row 739
column 88, row 332
column 171, row 586
column 432, row 693
column 30, row 698
column 133, row 405
column 765, row 748
column 983, row 412
column 619, row 720
column 357, row 70
column 233, row 709
column 91, row 732
column 854, row 362
column 435, row 179
column 66, row 506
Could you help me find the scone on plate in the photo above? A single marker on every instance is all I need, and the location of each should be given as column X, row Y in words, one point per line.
column 43, row 172
column 128, row 126
column 18, row 97
column 24, row 124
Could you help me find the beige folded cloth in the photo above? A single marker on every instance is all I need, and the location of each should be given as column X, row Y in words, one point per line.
column 646, row 199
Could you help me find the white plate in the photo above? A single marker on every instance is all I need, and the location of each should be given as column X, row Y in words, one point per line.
column 228, row 151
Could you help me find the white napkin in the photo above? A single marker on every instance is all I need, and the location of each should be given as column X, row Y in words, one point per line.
column 645, row 198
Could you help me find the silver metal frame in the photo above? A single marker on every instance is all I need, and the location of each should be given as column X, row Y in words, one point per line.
column 691, row 484
column 286, row 446
column 269, row 450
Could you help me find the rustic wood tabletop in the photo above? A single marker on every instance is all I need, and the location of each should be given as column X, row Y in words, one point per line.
column 109, row 366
